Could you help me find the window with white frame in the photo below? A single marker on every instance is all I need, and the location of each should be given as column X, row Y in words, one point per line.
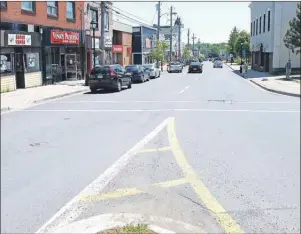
column 52, row 8
column 263, row 29
column 28, row 6
column 94, row 16
column 269, row 20
column 260, row 25
column 70, row 10
column 106, row 21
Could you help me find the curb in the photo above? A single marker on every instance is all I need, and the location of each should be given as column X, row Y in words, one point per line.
column 99, row 223
column 59, row 96
column 276, row 91
column 7, row 109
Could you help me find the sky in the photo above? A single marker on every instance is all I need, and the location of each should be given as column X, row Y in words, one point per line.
column 210, row 21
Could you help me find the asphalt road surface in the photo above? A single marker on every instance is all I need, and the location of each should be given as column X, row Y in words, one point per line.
column 211, row 150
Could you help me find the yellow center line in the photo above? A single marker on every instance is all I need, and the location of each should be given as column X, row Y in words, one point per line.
column 167, row 148
column 224, row 219
column 130, row 191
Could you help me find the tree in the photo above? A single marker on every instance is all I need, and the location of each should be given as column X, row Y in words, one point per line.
column 232, row 39
column 242, row 42
column 186, row 53
column 292, row 39
column 158, row 52
column 202, row 56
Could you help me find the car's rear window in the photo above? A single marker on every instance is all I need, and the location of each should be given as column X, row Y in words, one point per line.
column 100, row 70
column 174, row 63
column 131, row 68
column 195, row 63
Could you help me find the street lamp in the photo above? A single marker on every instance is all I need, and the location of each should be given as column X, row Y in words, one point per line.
column 93, row 26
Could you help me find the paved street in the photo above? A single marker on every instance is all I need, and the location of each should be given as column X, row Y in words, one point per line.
column 212, row 150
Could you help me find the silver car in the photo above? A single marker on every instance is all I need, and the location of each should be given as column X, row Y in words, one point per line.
column 154, row 72
column 217, row 63
column 175, row 67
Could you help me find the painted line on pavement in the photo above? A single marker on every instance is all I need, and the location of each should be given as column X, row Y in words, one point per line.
column 130, row 191
column 167, row 110
column 162, row 149
column 224, row 219
column 70, row 211
column 183, row 90
column 172, row 101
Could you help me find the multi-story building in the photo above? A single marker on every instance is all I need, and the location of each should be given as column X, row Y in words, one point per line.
column 269, row 23
column 41, row 40
column 122, row 43
column 143, row 40
column 92, row 11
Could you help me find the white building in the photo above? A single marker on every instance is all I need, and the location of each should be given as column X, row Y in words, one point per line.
column 269, row 23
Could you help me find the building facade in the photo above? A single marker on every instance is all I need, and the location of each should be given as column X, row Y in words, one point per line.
column 122, row 43
column 92, row 11
column 269, row 23
column 143, row 40
column 42, row 42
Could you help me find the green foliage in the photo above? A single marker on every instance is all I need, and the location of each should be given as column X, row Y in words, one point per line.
column 158, row 52
column 232, row 39
column 242, row 42
column 186, row 53
column 292, row 39
column 202, row 56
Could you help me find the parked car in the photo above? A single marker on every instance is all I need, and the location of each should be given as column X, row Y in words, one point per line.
column 218, row 63
column 138, row 73
column 174, row 67
column 153, row 70
column 110, row 77
column 195, row 67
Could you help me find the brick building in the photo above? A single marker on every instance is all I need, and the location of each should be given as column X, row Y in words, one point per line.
column 122, row 43
column 34, row 30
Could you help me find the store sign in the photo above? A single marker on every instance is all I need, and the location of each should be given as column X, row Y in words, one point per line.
column 129, row 50
column 96, row 43
column 63, row 37
column 108, row 42
column 117, row 49
column 19, row 39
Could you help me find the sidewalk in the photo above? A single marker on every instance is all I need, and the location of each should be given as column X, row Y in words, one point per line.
column 23, row 98
column 276, row 84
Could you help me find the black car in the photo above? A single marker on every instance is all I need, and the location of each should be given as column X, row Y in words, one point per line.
column 138, row 73
column 195, row 67
column 111, row 77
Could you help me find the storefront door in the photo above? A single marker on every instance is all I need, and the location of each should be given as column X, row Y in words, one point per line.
column 70, row 66
column 20, row 78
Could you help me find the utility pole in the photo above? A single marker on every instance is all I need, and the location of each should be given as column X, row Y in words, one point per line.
column 179, row 38
column 193, row 37
column 188, row 37
column 102, row 32
column 170, row 46
column 159, row 16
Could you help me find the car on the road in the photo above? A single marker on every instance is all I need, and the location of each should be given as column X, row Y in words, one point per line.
column 174, row 67
column 218, row 63
column 154, row 71
column 138, row 73
column 195, row 67
column 110, row 77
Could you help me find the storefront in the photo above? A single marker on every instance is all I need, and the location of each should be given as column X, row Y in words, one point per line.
column 20, row 60
column 62, row 50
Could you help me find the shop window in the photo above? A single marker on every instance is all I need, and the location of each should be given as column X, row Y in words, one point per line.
column 3, row 4
column 28, row 6
column 52, row 8
column 32, row 62
column 70, row 12
column 6, row 63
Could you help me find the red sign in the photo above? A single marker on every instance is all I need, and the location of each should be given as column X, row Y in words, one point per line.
column 129, row 50
column 63, row 37
column 117, row 49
